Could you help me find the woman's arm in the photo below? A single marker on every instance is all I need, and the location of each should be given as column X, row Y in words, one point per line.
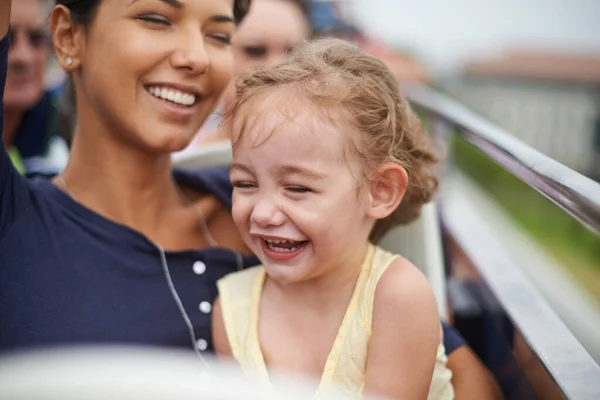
column 470, row 378
column 4, row 19
column 219, row 334
column 14, row 192
column 405, row 335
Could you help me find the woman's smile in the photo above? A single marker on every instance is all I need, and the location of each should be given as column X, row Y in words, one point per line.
column 176, row 100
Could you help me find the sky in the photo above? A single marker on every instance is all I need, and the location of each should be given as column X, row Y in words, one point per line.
column 447, row 33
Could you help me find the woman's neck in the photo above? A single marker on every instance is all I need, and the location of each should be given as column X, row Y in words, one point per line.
column 120, row 182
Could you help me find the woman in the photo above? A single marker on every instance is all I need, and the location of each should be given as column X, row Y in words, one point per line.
column 118, row 249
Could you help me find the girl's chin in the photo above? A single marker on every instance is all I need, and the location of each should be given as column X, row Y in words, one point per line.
column 283, row 275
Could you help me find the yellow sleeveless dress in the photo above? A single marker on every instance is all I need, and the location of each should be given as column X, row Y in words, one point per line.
column 344, row 371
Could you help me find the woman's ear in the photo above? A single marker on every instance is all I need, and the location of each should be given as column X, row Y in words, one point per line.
column 67, row 37
column 387, row 187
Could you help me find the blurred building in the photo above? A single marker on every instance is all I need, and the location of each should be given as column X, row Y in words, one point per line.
column 550, row 101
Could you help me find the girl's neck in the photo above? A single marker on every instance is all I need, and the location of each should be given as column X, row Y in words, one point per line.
column 120, row 182
column 326, row 289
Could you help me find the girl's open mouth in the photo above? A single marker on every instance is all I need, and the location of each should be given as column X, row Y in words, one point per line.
column 282, row 250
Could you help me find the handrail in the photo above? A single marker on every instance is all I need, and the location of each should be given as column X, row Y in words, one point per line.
column 576, row 194
column 566, row 361
column 564, row 358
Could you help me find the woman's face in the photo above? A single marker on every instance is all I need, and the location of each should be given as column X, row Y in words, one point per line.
column 151, row 71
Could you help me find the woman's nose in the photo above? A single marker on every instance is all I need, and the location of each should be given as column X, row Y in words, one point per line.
column 191, row 53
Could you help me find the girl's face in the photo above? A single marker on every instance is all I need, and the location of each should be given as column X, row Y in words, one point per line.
column 296, row 197
column 151, row 71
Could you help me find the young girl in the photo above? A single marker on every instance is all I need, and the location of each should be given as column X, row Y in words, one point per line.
column 328, row 157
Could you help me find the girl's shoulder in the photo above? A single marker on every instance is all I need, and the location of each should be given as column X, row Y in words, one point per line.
column 402, row 287
column 244, row 278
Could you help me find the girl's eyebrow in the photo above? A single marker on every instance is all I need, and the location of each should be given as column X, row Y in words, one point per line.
column 295, row 170
column 241, row 167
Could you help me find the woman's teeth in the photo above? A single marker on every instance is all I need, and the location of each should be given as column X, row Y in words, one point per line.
column 174, row 96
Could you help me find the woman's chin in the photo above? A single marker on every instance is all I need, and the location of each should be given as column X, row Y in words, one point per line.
column 168, row 143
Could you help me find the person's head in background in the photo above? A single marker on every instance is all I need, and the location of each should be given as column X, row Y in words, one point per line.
column 271, row 29
column 268, row 32
column 27, row 60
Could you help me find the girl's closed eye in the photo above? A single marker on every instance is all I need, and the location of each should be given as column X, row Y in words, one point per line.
column 297, row 189
column 243, row 184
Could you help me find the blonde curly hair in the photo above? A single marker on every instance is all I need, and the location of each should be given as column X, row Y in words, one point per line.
column 336, row 76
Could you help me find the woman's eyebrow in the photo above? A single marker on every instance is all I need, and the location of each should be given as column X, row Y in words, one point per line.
column 173, row 3
column 180, row 5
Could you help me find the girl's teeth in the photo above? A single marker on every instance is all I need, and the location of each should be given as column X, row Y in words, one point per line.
column 278, row 241
column 282, row 249
column 175, row 96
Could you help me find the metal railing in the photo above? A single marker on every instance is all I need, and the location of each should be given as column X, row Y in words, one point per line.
column 573, row 192
column 563, row 367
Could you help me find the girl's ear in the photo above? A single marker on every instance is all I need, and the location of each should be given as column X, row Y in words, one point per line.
column 386, row 188
column 67, row 38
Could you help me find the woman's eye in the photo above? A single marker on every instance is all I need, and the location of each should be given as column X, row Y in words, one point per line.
column 153, row 19
column 223, row 38
column 298, row 189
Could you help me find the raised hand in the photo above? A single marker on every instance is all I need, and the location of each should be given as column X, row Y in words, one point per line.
column 4, row 16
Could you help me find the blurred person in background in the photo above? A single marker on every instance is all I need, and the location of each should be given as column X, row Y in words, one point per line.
column 30, row 125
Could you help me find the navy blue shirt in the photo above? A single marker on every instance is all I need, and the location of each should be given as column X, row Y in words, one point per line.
column 68, row 275
column 39, row 125
column 38, row 143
